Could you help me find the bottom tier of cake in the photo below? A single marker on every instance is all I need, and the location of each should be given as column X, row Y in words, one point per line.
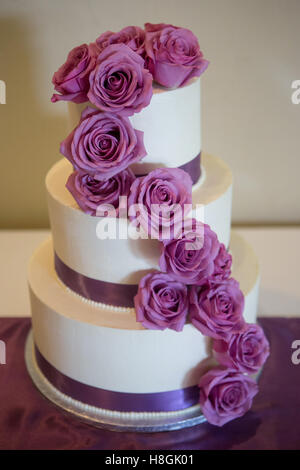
column 97, row 362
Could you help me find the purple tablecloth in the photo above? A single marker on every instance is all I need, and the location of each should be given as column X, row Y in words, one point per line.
column 29, row 421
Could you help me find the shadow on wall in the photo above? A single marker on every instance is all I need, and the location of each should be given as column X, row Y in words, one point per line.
column 29, row 137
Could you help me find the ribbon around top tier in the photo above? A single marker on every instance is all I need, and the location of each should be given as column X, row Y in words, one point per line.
column 110, row 293
column 173, row 400
column 193, row 168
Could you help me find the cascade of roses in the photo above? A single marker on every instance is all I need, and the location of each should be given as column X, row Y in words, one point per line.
column 115, row 74
column 116, row 70
column 195, row 282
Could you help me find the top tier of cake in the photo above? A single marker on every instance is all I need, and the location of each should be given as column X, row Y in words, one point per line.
column 171, row 124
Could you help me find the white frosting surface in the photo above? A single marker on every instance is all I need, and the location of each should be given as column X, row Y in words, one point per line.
column 171, row 126
column 126, row 260
column 109, row 349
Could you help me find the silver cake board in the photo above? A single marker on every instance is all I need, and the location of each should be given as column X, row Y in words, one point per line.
column 106, row 419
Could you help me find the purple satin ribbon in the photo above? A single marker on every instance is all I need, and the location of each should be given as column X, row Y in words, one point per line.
column 117, row 401
column 193, row 168
column 119, row 295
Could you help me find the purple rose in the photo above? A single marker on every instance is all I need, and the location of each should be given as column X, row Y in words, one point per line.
column 173, row 54
column 72, row 78
column 161, row 302
column 159, row 199
column 120, row 83
column 216, row 308
column 90, row 193
column 103, row 144
column 132, row 36
column 225, row 394
column 246, row 351
column 223, row 264
column 191, row 258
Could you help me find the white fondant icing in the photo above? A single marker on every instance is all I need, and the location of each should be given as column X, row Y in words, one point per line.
column 76, row 234
column 109, row 349
column 171, row 126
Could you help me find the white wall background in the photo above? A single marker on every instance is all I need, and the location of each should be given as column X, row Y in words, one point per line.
column 248, row 117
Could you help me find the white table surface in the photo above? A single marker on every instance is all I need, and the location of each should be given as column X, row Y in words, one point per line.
column 277, row 249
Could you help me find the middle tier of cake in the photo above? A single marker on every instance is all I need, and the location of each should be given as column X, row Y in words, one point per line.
column 78, row 238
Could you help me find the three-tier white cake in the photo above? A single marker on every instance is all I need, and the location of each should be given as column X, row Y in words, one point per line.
column 88, row 353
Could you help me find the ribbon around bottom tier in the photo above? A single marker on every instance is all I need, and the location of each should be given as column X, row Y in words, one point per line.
column 173, row 400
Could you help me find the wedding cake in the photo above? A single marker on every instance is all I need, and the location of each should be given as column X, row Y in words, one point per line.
column 144, row 302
